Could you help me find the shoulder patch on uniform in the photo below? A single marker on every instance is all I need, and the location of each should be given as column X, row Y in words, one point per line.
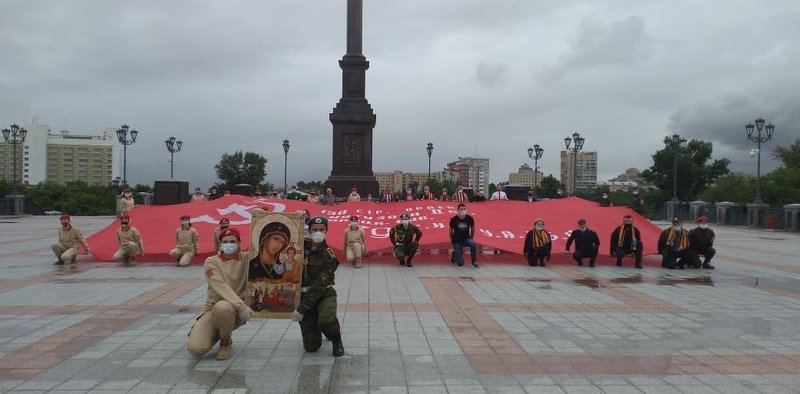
column 330, row 252
column 209, row 272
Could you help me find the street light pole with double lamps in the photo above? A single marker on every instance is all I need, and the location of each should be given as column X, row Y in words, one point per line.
column 173, row 146
column 122, row 137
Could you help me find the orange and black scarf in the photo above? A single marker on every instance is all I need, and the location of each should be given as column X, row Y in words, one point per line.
column 540, row 238
column 683, row 243
column 621, row 237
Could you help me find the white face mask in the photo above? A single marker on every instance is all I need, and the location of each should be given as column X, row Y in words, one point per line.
column 317, row 237
column 229, row 249
column 539, row 227
column 185, row 222
column 703, row 226
column 353, row 224
column 127, row 194
column 676, row 228
column 404, row 222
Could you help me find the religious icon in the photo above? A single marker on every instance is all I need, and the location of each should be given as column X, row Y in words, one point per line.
column 275, row 268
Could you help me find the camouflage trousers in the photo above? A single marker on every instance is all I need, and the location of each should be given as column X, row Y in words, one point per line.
column 320, row 319
column 405, row 250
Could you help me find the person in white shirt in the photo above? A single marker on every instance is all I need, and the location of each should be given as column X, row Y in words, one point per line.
column 499, row 194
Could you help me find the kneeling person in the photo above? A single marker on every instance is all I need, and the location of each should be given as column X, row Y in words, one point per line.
column 186, row 247
column 701, row 241
column 538, row 244
column 587, row 243
column 69, row 240
column 225, row 309
column 317, row 311
column 130, row 242
column 405, row 239
column 673, row 244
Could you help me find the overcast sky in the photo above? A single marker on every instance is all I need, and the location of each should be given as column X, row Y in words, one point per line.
column 487, row 78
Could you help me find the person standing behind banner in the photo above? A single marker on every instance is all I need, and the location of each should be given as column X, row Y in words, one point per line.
column 405, row 240
column 462, row 232
column 317, row 310
column 223, row 224
column 130, row 242
column 625, row 240
column 355, row 243
column 499, row 194
column 126, row 203
column 225, row 309
column 294, row 194
column 387, row 195
column 213, row 195
column 329, row 198
column 353, row 196
column 587, row 243
column 638, row 201
column 69, row 240
column 538, row 244
column 444, row 196
column 198, row 195
column 313, row 198
column 605, row 201
column 460, row 195
column 186, row 247
column 426, row 193
column 409, row 195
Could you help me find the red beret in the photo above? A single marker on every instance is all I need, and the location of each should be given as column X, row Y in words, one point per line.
column 65, row 216
column 224, row 220
column 185, row 217
column 702, row 219
column 229, row 231
column 676, row 220
column 124, row 217
column 353, row 217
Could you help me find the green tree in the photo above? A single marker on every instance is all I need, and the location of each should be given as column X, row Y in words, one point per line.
column 5, row 187
column 781, row 186
column 142, row 188
column 76, row 198
column 789, row 156
column 695, row 172
column 548, row 187
column 735, row 187
column 307, row 186
column 239, row 167
column 492, row 189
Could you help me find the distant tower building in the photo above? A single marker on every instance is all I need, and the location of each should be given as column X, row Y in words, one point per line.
column 471, row 172
column 525, row 177
column 585, row 166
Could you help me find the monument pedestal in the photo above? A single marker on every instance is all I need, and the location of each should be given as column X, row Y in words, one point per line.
column 341, row 185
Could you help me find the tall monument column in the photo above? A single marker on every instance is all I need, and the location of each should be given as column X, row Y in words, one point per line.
column 353, row 119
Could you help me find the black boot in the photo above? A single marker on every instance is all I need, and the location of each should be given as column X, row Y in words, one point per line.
column 408, row 263
column 402, row 263
column 619, row 262
column 58, row 262
column 338, row 347
column 708, row 266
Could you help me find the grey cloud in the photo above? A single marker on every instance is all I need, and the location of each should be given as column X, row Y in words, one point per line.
column 491, row 75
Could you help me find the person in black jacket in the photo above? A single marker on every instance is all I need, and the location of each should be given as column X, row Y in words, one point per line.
column 626, row 239
column 701, row 241
column 587, row 243
column 538, row 244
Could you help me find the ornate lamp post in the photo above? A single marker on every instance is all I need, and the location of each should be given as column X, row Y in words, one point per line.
column 758, row 139
column 285, row 162
column 576, row 143
column 535, row 154
column 14, row 136
column 430, row 152
column 122, row 136
column 172, row 146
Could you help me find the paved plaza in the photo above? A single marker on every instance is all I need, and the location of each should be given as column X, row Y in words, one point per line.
column 434, row 328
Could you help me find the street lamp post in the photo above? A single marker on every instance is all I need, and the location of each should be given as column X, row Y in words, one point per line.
column 172, row 146
column 430, row 152
column 535, row 154
column 285, row 162
column 122, row 136
column 758, row 139
column 576, row 143
column 14, row 136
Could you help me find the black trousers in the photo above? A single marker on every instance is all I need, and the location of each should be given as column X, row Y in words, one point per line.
column 620, row 253
column 708, row 254
column 580, row 254
column 679, row 259
column 536, row 258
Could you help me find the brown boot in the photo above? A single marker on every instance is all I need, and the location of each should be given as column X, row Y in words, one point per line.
column 132, row 261
column 224, row 352
column 358, row 263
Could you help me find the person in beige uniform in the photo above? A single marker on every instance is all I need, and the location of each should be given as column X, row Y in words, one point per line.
column 126, row 203
column 223, row 224
column 130, row 242
column 355, row 243
column 198, row 195
column 187, row 243
column 69, row 240
column 354, row 196
column 225, row 309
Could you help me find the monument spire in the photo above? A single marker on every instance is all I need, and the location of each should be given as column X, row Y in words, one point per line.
column 352, row 118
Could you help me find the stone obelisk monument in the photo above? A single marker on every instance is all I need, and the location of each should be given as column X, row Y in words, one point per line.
column 353, row 119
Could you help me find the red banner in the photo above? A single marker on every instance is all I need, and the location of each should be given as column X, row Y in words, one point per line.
column 500, row 225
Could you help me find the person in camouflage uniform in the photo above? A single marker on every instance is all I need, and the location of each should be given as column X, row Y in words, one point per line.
column 317, row 310
column 405, row 238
